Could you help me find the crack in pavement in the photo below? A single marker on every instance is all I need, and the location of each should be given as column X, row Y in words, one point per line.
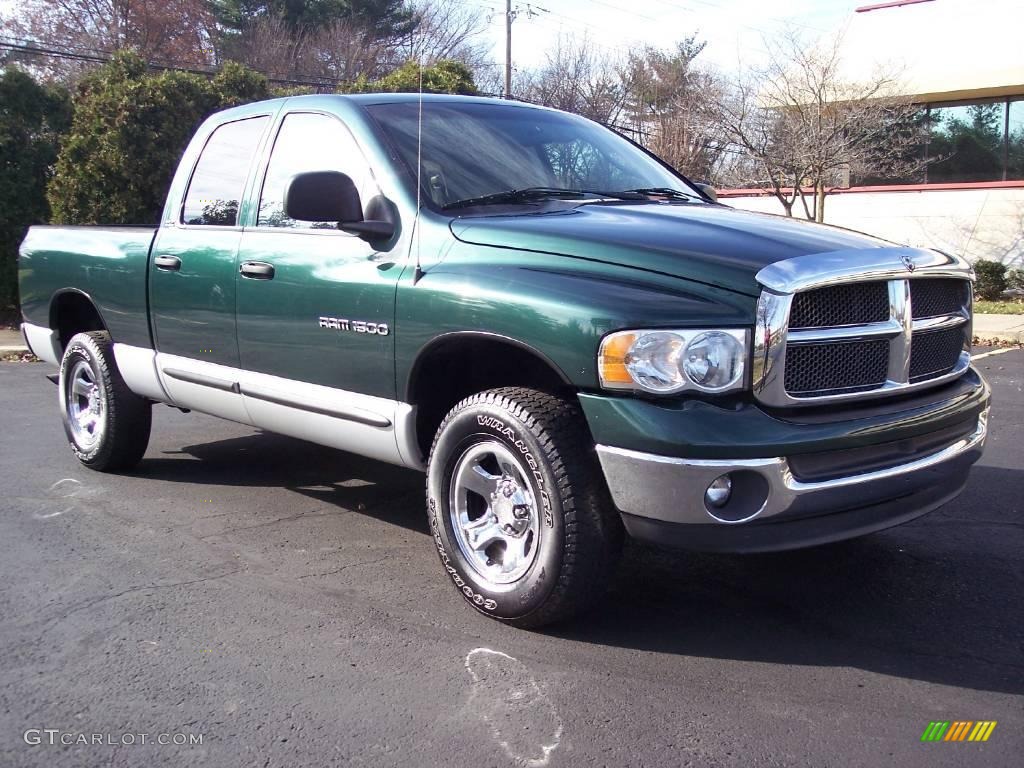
column 346, row 567
column 86, row 604
column 273, row 522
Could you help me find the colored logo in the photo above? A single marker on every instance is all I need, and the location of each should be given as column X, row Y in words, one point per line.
column 958, row 730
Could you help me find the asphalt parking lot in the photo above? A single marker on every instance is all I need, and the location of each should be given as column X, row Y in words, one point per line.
column 284, row 602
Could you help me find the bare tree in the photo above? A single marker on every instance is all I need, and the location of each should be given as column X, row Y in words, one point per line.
column 177, row 31
column 771, row 156
column 345, row 51
column 666, row 98
column 446, row 29
column 338, row 52
column 577, row 78
column 806, row 125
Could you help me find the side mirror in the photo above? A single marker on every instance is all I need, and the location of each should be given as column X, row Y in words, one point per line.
column 332, row 196
column 708, row 190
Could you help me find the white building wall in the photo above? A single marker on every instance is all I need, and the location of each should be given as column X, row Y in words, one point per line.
column 975, row 223
column 939, row 48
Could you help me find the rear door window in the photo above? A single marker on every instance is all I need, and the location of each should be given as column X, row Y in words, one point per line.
column 218, row 182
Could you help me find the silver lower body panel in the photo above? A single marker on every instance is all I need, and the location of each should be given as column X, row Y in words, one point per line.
column 670, row 490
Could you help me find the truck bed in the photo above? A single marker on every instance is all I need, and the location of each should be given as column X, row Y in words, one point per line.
column 109, row 264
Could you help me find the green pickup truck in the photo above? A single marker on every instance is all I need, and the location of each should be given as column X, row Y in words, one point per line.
column 570, row 339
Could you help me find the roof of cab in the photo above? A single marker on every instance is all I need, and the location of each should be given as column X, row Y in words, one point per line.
column 367, row 99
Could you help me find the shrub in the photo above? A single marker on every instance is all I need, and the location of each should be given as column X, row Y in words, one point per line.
column 33, row 118
column 443, row 76
column 1015, row 279
column 991, row 280
column 129, row 130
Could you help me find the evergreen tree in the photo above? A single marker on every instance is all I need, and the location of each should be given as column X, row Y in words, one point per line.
column 33, row 118
column 129, row 130
column 386, row 19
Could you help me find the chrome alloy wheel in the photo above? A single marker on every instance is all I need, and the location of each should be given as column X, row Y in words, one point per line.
column 494, row 513
column 86, row 406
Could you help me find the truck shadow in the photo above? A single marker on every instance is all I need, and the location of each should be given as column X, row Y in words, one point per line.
column 265, row 460
column 936, row 600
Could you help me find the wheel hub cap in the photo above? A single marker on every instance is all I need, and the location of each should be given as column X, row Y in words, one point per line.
column 86, row 408
column 494, row 513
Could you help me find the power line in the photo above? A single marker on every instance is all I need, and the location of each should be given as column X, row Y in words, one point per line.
column 718, row 6
column 100, row 56
column 511, row 14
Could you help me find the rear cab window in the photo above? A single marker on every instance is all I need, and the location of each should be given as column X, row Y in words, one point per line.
column 215, row 190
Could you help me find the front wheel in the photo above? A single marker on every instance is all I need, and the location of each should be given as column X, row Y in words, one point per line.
column 518, row 507
column 106, row 423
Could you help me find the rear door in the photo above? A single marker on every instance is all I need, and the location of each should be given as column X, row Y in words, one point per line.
column 193, row 274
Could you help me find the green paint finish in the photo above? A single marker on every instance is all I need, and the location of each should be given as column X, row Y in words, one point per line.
column 557, row 305
column 193, row 309
column 699, row 243
column 107, row 264
column 700, row 429
column 318, row 274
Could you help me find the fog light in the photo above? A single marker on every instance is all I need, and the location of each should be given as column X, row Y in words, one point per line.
column 718, row 493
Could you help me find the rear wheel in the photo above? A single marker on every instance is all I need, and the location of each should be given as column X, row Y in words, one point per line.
column 518, row 507
column 107, row 424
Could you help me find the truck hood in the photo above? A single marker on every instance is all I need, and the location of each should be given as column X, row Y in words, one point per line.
column 711, row 244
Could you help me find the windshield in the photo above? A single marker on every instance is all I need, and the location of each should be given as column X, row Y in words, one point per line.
column 477, row 150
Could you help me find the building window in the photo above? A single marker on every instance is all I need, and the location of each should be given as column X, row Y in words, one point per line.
column 1015, row 141
column 959, row 142
column 966, row 142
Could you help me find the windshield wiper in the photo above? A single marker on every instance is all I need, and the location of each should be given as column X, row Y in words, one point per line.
column 538, row 193
column 676, row 194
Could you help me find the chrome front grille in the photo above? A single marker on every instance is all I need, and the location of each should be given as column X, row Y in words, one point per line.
column 933, row 297
column 935, row 353
column 814, row 369
column 840, row 305
column 860, row 325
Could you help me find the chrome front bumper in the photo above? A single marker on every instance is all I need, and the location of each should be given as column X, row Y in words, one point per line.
column 671, row 490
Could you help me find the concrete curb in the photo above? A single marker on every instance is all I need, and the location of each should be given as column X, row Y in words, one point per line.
column 11, row 341
column 1007, row 329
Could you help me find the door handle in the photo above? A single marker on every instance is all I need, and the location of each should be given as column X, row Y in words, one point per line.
column 257, row 270
column 167, row 262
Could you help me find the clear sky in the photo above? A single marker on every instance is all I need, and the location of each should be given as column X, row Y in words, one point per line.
column 733, row 29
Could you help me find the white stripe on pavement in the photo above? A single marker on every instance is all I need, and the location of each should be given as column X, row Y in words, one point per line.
column 1001, row 351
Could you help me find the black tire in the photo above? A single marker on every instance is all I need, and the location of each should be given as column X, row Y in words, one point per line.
column 578, row 532
column 123, row 418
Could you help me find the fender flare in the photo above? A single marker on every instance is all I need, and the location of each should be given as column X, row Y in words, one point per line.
column 454, row 336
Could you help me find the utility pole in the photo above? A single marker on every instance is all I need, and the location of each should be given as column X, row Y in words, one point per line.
column 509, row 18
column 510, row 15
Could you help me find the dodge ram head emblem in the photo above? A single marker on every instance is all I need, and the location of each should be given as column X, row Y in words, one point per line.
column 908, row 262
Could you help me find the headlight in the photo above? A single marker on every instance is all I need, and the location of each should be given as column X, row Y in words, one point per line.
column 669, row 361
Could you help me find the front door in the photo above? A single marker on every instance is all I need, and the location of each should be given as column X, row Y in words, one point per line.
column 315, row 305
